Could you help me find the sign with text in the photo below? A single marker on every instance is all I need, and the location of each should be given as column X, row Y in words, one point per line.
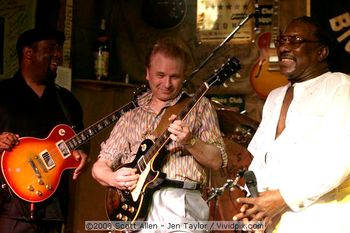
column 334, row 15
column 217, row 19
column 236, row 102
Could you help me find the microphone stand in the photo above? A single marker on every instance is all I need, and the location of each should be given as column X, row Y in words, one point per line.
column 201, row 65
column 216, row 192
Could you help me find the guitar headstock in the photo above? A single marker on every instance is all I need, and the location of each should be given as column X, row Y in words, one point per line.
column 224, row 72
column 139, row 91
column 231, row 79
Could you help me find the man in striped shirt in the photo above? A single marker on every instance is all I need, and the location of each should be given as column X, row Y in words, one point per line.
column 196, row 143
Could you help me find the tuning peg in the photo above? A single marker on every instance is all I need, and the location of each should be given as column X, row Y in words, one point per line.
column 238, row 75
column 225, row 85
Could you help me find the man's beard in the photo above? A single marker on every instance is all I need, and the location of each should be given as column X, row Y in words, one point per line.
column 51, row 76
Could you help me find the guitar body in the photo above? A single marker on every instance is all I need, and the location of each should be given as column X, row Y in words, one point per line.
column 33, row 168
column 125, row 205
column 265, row 75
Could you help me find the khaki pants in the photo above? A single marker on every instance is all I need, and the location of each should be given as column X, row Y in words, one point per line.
column 173, row 207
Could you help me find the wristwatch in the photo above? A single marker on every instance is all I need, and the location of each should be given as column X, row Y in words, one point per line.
column 192, row 141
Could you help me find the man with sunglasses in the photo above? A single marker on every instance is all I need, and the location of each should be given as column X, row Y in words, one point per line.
column 301, row 149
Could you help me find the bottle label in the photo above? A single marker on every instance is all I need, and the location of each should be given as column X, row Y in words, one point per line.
column 101, row 65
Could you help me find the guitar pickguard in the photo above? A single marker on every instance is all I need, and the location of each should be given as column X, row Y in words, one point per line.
column 125, row 205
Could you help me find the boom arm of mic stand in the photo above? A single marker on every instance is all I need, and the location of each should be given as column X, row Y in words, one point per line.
column 229, row 184
column 219, row 46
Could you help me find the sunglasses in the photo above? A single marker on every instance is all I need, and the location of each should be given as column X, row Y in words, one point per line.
column 293, row 41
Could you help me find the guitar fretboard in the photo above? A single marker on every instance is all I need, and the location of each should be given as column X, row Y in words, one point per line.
column 94, row 129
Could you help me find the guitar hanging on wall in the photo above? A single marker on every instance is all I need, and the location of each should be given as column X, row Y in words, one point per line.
column 264, row 75
column 164, row 14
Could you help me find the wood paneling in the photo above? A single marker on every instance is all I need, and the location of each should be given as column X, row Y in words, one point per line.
column 98, row 99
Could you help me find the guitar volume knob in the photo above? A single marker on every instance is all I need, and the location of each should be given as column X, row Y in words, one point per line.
column 119, row 216
column 125, row 218
column 125, row 207
column 39, row 193
column 30, row 188
column 40, row 181
column 131, row 209
column 48, row 187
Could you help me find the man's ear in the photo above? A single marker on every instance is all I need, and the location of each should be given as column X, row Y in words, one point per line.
column 323, row 53
column 147, row 73
column 27, row 52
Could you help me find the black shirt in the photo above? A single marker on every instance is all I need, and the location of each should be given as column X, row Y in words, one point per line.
column 24, row 113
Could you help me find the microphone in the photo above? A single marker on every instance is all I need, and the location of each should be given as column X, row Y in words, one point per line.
column 251, row 183
column 256, row 16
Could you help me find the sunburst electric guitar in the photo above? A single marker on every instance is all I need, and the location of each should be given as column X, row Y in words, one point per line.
column 33, row 168
column 265, row 74
column 124, row 205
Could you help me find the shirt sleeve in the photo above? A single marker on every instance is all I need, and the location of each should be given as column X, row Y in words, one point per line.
column 115, row 148
column 209, row 130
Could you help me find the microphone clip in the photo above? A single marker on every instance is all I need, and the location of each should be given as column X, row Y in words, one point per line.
column 229, row 184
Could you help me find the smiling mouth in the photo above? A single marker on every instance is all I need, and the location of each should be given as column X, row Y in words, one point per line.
column 54, row 65
column 286, row 59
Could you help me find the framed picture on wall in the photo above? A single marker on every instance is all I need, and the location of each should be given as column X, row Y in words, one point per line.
column 216, row 19
column 16, row 16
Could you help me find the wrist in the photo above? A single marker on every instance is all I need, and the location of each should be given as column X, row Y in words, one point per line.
column 191, row 142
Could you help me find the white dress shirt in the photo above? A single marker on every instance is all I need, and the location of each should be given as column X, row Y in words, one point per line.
column 311, row 157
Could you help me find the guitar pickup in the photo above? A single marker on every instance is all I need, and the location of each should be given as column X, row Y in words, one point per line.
column 276, row 68
column 47, row 159
column 273, row 59
column 63, row 149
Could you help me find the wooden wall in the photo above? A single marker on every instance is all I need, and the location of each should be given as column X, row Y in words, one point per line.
column 87, row 197
column 131, row 36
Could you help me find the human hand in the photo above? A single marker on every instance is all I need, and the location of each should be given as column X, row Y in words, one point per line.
column 263, row 208
column 180, row 132
column 124, row 178
column 8, row 141
column 79, row 155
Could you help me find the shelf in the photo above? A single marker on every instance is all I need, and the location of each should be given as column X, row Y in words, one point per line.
column 98, row 84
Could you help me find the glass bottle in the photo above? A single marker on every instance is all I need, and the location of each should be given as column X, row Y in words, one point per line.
column 101, row 52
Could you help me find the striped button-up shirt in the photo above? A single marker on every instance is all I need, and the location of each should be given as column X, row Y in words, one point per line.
column 138, row 124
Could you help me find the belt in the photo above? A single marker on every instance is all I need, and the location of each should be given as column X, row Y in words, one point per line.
column 181, row 184
column 341, row 194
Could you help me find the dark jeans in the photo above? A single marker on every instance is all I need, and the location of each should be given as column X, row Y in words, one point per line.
column 8, row 225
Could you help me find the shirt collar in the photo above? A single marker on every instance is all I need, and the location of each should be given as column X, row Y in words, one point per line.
column 145, row 99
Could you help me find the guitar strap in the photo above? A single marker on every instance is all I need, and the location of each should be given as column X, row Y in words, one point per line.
column 63, row 107
column 175, row 109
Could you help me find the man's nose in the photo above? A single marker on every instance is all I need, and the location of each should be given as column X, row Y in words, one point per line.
column 284, row 47
column 57, row 52
column 167, row 81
